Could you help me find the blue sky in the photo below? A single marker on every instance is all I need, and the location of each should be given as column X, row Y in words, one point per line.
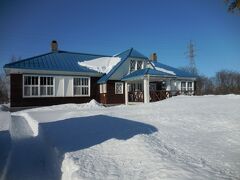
column 112, row 26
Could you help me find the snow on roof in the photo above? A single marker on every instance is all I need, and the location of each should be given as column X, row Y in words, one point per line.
column 163, row 70
column 102, row 64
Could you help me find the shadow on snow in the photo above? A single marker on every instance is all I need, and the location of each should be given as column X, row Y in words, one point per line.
column 83, row 132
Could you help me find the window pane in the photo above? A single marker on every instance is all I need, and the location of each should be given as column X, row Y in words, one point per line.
column 84, row 90
column 27, row 80
column 183, row 84
column 48, row 80
column 119, row 88
column 43, row 80
column 34, row 91
column 76, row 81
column 132, row 65
column 77, row 91
column 85, row 81
column 49, row 90
column 34, row 80
column 42, row 90
column 139, row 64
column 189, row 84
column 26, row 91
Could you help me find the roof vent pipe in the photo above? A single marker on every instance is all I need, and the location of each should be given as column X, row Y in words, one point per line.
column 54, row 46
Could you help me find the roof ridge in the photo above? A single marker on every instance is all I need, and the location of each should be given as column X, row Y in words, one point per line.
column 23, row 60
column 123, row 52
column 139, row 53
column 86, row 53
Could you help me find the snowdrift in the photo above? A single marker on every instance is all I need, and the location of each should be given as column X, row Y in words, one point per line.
column 178, row 138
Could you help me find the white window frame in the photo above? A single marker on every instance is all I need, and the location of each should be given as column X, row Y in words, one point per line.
column 136, row 62
column 130, row 66
column 141, row 64
column 46, row 86
column 190, row 88
column 184, row 88
column 116, row 84
column 38, row 85
column 89, row 87
column 103, row 88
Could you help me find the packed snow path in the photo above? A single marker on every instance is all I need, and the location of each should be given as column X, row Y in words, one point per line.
column 27, row 160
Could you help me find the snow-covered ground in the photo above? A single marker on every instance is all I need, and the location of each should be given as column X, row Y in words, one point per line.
column 179, row 138
column 5, row 138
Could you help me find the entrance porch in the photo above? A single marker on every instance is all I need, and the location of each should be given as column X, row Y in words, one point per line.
column 150, row 86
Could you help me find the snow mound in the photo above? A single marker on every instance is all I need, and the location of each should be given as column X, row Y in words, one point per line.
column 5, row 140
column 93, row 103
column 102, row 65
column 4, row 107
column 54, row 113
column 70, row 106
column 184, row 137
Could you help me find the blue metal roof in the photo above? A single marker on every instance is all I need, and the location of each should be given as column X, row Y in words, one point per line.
column 178, row 72
column 135, row 54
column 56, row 61
column 147, row 71
column 124, row 56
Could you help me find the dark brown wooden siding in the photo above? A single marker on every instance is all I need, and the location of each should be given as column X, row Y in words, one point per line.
column 113, row 98
column 17, row 99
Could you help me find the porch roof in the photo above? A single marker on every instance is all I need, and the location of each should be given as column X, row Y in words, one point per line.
column 139, row 74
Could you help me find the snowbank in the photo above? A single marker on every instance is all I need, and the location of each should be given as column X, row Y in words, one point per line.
column 54, row 113
column 5, row 139
column 179, row 138
column 102, row 65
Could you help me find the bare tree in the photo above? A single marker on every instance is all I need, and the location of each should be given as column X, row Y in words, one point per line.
column 227, row 82
column 3, row 89
column 233, row 5
column 14, row 59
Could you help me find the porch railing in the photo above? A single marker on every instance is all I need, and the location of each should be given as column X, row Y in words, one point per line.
column 136, row 96
column 159, row 95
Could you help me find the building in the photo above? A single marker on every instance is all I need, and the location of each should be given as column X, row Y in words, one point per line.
column 67, row 77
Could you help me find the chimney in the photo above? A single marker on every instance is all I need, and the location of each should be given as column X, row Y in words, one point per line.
column 54, row 46
column 153, row 57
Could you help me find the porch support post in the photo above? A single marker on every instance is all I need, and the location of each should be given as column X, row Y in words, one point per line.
column 146, row 89
column 126, row 93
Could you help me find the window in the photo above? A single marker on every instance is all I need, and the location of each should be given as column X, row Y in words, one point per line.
column 183, row 86
column 139, row 65
column 35, row 86
column 135, row 65
column 132, row 65
column 81, row 86
column 132, row 87
column 103, row 88
column 46, row 86
column 30, row 86
column 139, row 87
column 190, row 86
column 118, row 88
